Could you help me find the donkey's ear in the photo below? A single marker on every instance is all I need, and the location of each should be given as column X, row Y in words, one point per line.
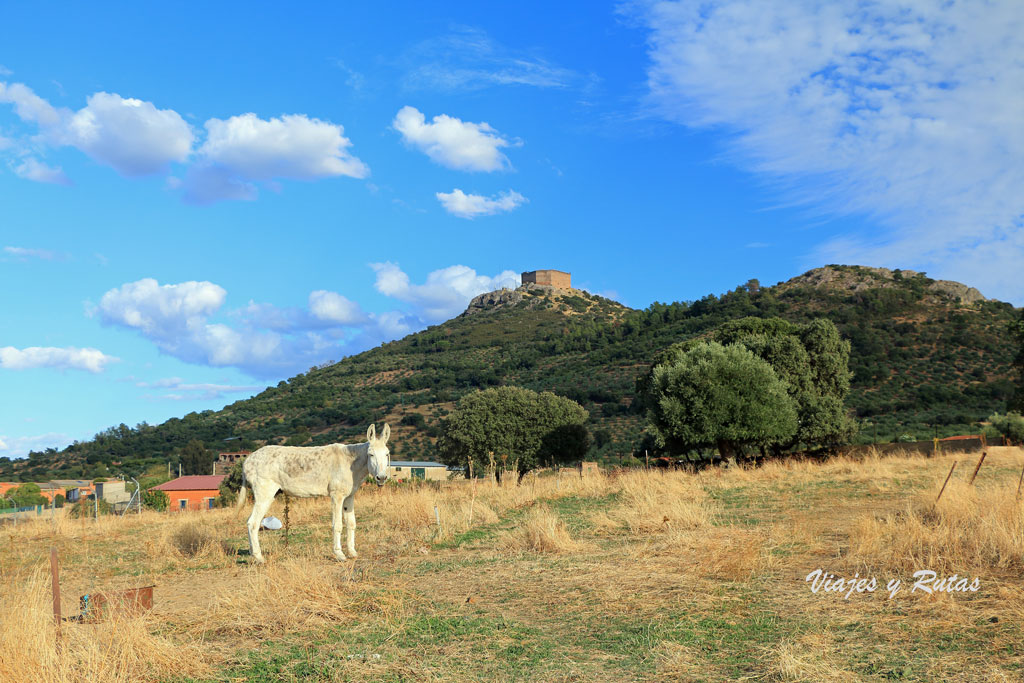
column 386, row 433
column 371, row 433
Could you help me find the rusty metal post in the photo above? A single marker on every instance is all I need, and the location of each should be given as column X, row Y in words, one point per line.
column 55, row 583
column 287, row 526
column 945, row 482
column 978, row 467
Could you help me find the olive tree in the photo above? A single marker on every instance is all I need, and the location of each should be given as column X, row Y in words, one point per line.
column 720, row 396
column 514, row 426
column 811, row 360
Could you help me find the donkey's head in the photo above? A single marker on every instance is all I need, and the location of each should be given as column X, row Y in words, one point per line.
column 379, row 458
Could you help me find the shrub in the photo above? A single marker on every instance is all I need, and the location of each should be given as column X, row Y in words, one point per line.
column 155, row 500
column 191, row 539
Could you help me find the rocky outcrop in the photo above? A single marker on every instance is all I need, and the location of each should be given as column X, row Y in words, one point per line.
column 495, row 299
column 860, row 278
column 510, row 297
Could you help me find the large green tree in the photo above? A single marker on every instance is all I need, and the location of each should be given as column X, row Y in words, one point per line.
column 721, row 396
column 195, row 459
column 811, row 360
column 516, row 427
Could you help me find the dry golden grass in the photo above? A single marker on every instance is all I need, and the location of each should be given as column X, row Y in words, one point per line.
column 543, row 531
column 969, row 528
column 806, row 660
column 123, row 648
column 632, row 548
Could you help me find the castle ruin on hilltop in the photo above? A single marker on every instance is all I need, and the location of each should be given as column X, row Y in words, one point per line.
column 554, row 278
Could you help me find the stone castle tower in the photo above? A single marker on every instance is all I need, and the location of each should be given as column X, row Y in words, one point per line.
column 555, row 278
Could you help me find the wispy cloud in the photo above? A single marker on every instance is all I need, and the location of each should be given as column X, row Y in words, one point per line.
column 177, row 389
column 469, row 59
column 31, row 168
column 353, row 78
column 26, row 254
column 19, row 446
column 909, row 114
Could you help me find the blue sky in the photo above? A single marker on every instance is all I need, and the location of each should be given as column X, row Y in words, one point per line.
column 199, row 202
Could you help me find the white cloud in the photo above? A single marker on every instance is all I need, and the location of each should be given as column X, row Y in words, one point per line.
column 68, row 358
column 470, row 206
column 445, row 293
column 907, row 113
column 334, row 308
column 162, row 311
column 246, row 148
column 137, row 139
column 292, row 146
column 451, row 142
column 469, row 59
column 31, row 168
column 19, row 446
column 131, row 136
column 269, row 341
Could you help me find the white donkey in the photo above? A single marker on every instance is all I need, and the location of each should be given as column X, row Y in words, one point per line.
column 336, row 469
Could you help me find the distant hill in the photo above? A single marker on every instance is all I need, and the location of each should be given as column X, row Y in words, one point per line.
column 929, row 357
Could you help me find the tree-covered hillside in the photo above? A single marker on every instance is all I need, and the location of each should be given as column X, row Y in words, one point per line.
column 927, row 357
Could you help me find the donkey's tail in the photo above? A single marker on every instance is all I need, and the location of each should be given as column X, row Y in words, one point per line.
column 241, row 492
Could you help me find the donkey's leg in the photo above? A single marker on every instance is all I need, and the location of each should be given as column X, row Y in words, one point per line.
column 263, row 497
column 350, row 524
column 337, row 500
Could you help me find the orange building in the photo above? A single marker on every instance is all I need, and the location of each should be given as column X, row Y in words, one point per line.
column 192, row 492
column 46, row 489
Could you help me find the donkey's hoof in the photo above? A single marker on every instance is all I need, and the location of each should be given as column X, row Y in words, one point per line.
column 340, row 557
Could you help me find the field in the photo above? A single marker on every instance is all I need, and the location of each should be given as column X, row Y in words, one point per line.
column 640, row 576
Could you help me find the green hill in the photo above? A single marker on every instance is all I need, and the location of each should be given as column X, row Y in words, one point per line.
column 929, row 357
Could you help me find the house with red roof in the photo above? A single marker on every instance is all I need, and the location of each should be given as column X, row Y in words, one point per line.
column 192, row 492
